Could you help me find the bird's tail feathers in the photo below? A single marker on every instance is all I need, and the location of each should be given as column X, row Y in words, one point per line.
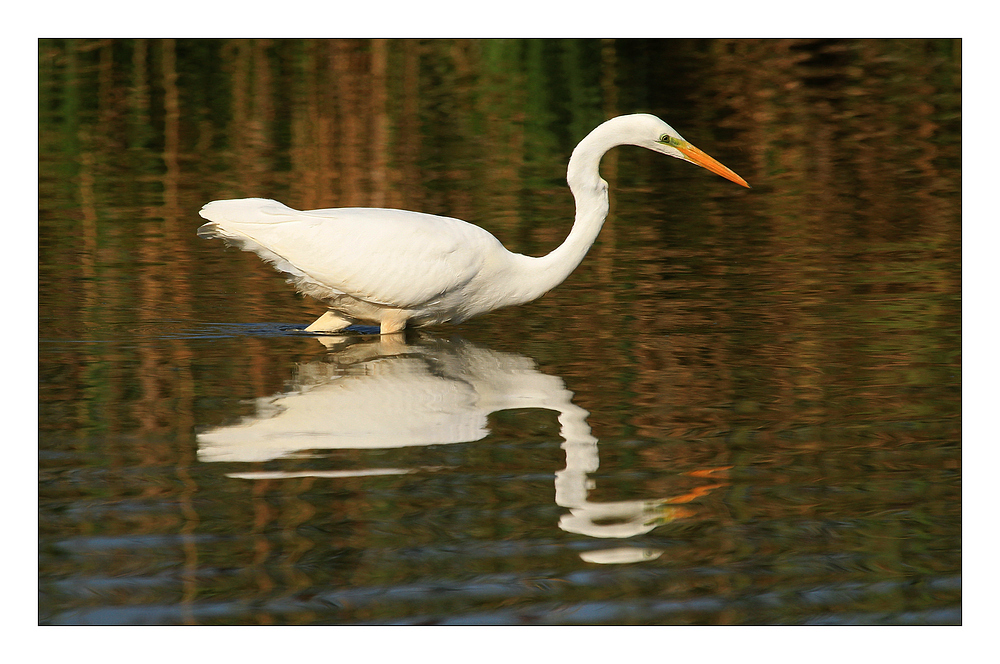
column 247, row 211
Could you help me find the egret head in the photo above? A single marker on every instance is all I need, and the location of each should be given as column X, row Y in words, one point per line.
column 652, row 133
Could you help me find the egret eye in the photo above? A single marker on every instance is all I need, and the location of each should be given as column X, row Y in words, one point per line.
column 666, row 138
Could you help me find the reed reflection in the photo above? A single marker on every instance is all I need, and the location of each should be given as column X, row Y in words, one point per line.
column 383, row 392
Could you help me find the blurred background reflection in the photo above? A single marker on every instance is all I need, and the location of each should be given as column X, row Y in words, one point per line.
column 742, row 408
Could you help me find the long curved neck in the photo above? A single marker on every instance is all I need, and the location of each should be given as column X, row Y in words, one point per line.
column 591, row 195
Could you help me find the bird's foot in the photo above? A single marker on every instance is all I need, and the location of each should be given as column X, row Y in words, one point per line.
column 328, row 322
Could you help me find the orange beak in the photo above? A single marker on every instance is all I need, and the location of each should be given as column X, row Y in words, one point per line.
column 696, row 156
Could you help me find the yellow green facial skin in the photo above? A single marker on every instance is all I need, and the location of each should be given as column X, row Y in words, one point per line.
column 696, row 156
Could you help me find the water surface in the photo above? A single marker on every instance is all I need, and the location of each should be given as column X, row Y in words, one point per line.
column 742, row 408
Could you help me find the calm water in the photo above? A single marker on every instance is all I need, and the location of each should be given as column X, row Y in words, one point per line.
column 742, row 408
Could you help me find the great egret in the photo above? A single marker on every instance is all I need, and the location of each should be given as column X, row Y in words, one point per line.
column 396, row 268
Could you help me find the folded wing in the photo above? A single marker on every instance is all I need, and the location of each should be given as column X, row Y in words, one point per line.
column 390, row 257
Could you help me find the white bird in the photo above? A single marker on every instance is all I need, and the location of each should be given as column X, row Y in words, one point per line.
column 396, row 268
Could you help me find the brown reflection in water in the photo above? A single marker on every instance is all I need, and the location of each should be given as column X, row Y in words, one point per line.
column 341, row 128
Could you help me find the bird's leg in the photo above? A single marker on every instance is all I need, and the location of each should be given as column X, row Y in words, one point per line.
column 328, row 322
column 392, row 321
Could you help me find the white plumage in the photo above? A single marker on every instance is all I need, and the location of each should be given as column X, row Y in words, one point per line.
column 396, row 268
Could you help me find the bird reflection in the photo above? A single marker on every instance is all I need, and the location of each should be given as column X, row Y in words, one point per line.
column 387, row 392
